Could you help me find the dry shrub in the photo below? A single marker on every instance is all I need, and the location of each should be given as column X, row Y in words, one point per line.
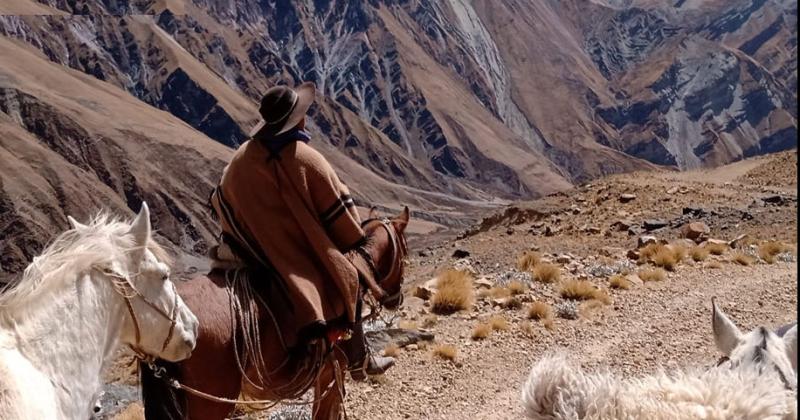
column 498, row 323
column 549, row 324
column 445, row 351
column 679, row 251
column 528, row 260
column 516, row 287
column 540, row 311
column 714, row 264
column 715, row 248
column 578, row 289
column 392, row 350
column 742, row 259
column 499, row 292
column 481, row 331
column 652, row 274
column 407, row 325
column 699, row 253
column 646, row 252
column 454, row 294
column 588, row 308
column 512, row 303
column 602, row 296
column 618, row 281
column 770, row 249
column 665, row 257
column 429, row 321
column 547, row 273
column 526, row 328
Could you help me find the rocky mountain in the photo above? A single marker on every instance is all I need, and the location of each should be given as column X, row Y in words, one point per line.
column 450, row 106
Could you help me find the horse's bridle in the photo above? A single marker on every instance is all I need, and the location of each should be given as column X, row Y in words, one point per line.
column 399, row 250
column 124, row 287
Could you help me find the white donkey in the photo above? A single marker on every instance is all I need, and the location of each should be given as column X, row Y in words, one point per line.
column 95, row 286
column 756, row 379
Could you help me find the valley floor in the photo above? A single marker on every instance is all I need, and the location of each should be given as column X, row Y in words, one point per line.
column 657, row 324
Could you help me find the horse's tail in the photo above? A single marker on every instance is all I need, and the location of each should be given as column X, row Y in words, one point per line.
column 160, row 400
column 549, row 379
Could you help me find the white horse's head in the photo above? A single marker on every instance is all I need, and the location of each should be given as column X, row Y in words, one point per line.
column 158, row 324
column 761, row 347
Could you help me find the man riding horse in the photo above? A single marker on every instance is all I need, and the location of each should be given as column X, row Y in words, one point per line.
column 284, row 211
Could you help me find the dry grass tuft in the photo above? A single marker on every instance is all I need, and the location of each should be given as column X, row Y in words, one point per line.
column 454, row 294
column 499, row 292
column 715, row 248
column 578, row 289
column 445, row 351
column 742, row 259
column 714, row 264
column 549, row 324
column 481, row 331
column 699, row 253
column 665, row 257
column 547, row 273
column 429, row 321
column 652, row 274
column 602, row 296
column 770, row 249
column 392, row 350
column 517, row 287
column 526, row 328
column 646, row 252
column 619, row 281
column 679, row 251
column 528, row 260
column 498, row 323
column 512, row 303
column 540, row 311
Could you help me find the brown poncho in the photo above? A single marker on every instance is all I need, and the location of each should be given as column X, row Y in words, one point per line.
column 291, row 211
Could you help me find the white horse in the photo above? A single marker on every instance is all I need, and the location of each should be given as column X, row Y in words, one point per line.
column 95, row 286
column 756, row 379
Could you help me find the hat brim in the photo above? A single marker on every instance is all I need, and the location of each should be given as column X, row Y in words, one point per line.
column 305, row 97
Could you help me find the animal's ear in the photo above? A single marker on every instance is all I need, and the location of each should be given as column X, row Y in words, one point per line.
column 373, row 213
column 400, row 222
column 726, row 334
column 140, row 229
column 790, row 341
column 75, row 224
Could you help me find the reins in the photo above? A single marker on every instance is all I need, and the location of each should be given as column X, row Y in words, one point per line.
column 124, row 287
column 398, row 253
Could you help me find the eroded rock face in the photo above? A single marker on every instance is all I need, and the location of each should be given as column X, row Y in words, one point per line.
column 439, row 104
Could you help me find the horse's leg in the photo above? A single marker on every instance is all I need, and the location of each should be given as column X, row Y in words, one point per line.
column 212, row 368
column 328, row 391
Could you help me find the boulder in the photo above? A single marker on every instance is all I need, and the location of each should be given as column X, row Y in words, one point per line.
column 737, row 241
column 696, row 231
column 654, row 224
column 622, row 225
column 484, row 283
column 422, row 292
column 378, row 340
column 460, row 253
column 634, row 279
column 627, row 198
column 645, row 240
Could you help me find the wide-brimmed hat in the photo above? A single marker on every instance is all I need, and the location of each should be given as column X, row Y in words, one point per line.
column 282, row 108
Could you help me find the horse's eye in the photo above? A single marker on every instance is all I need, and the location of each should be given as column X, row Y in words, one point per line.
column 166, row 277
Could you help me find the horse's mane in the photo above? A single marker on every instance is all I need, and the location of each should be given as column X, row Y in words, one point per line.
column 74, row 251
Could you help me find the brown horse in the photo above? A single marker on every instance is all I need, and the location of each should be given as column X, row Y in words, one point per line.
column 214, row 367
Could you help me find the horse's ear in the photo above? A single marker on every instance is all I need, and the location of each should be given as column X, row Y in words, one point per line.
column 726, row 334
column 790, row 341
column 373, row 213
column 400, row 222
column 75, row 224
column 140, row 229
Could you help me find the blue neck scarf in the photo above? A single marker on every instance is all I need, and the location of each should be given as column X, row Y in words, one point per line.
column 276, row 143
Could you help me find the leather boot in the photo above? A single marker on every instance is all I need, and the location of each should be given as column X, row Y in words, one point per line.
column 359, row 358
